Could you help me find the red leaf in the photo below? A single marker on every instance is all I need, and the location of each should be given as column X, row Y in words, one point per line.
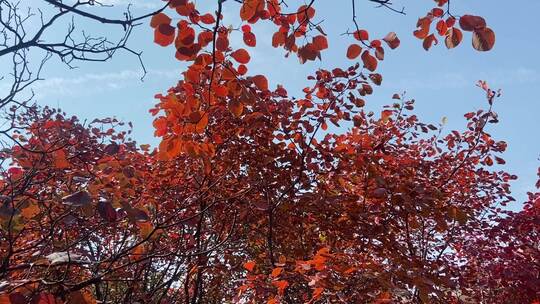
column 392, row 40
column 164, row 34
column 353, row 51
column 308, row 52
column 246, row 28
column 428, row 42
column 278, row 39
column 379, row 53
column 305, row 13
column 249, row 9
column 250, row 39
column 106, row 211
column 376, row 78
column 320, row 43
column 442, row 28
column 261, row 82
column 369, row 61
column 437, row 12
column 361, row 35
column 453, row 38
column 450, row 21
column 470, row 23
column 423, row 31
column 111, row 149
column 208, row 19
column 441, row 2
column 242, row 69
column 77, row 199
column 203, row 122
column 241, row 55
column 236, row 107
column 222, row 43
column 375, row 43
column 483, row 39
column 385, row 115
column 159, row 19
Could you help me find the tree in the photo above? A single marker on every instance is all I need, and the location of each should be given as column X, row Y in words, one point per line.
column 507, row 255
column 250, row 196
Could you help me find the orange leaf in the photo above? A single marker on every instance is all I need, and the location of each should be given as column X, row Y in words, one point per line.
column 160, row 124
column 30, row 211
column 317, row 293
column 250, row 265
column 172, row 147
column 145, row 229
column 281, row 285
column 203, row 122
column 276, row 272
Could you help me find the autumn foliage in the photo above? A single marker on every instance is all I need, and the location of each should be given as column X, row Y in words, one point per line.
column 255, row 196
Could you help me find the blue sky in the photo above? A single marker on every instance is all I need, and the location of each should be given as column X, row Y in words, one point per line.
column 441, row 81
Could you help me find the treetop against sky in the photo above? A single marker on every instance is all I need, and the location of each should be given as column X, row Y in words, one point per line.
column 441, row 81
column 268, row 151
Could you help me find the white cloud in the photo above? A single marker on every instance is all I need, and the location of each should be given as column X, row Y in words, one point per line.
column 98, row 82
column 496, row 78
